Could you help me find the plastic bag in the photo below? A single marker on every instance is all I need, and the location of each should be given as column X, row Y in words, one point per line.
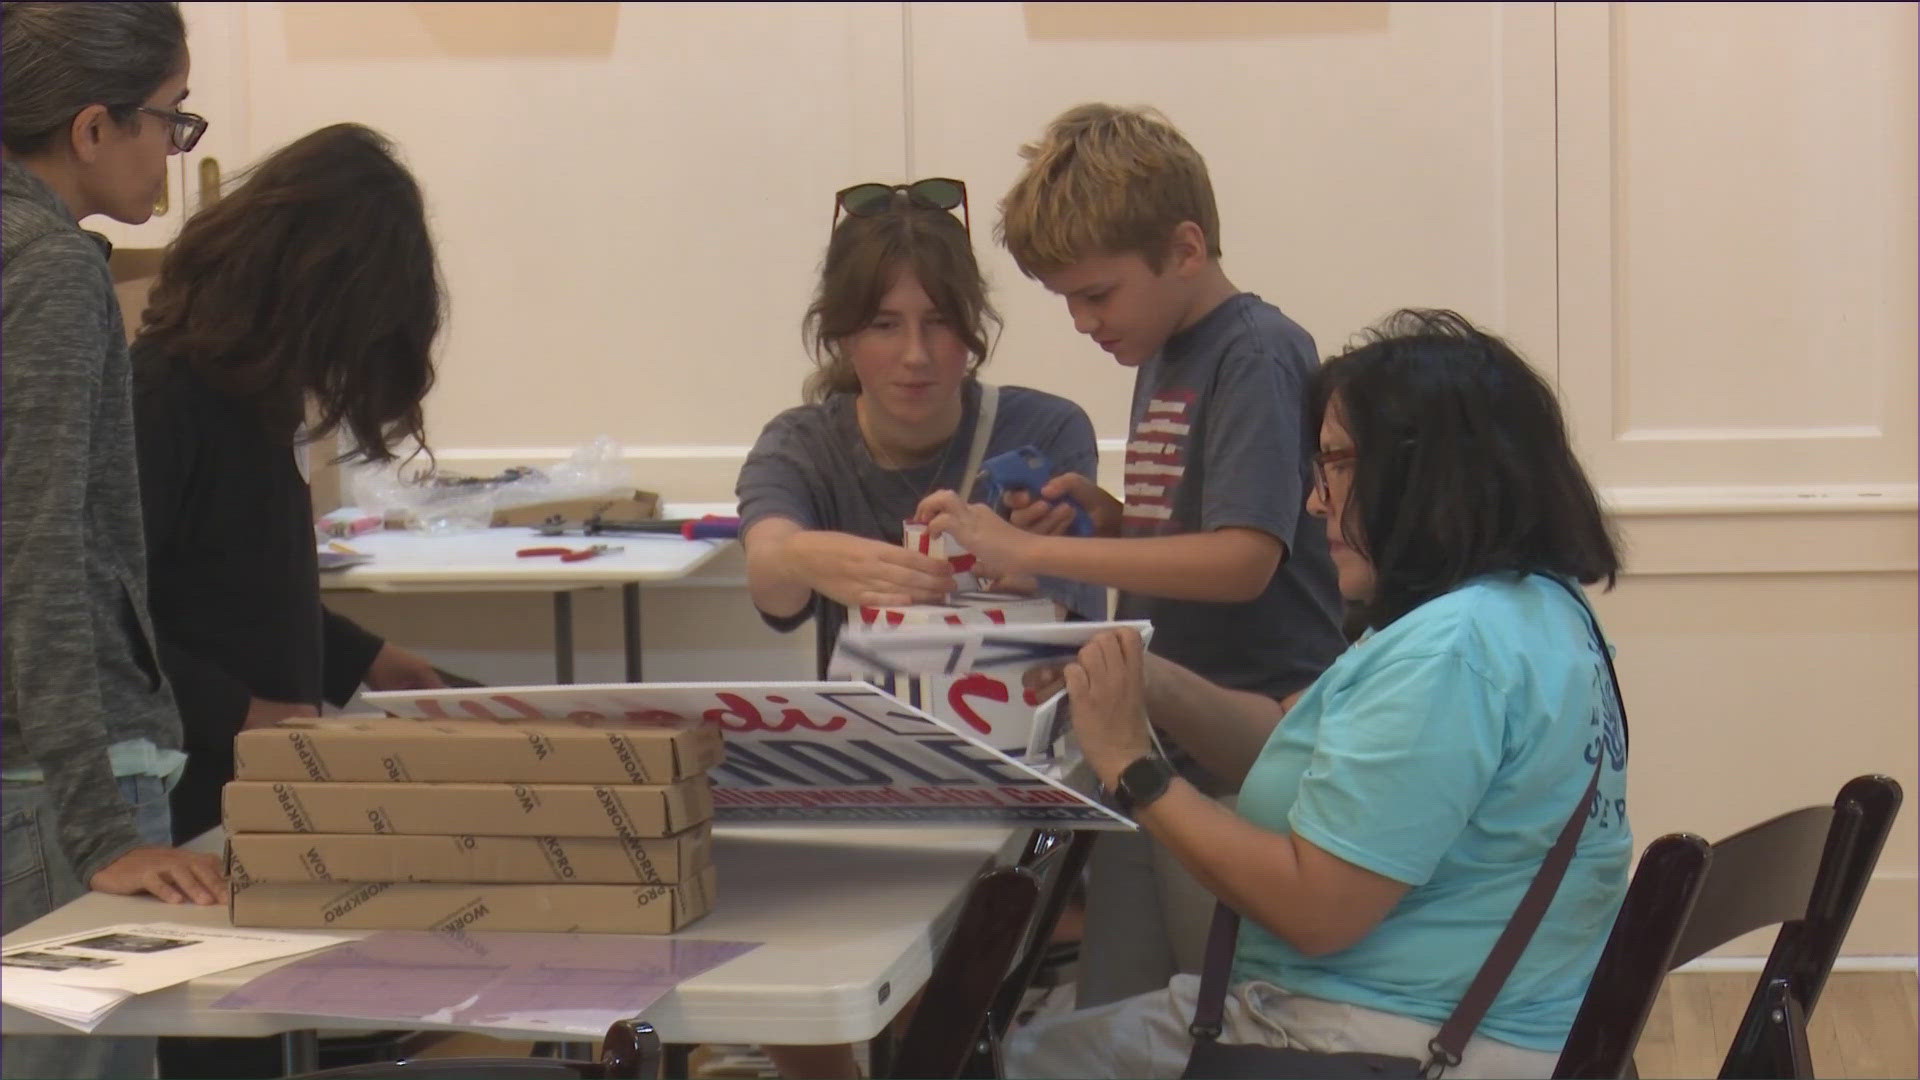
column 442, row 503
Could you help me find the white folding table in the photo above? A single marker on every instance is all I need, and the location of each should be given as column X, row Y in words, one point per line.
column 848, row 921
column 406, row 562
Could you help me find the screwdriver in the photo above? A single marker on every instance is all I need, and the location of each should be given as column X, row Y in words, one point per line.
column 706, row 527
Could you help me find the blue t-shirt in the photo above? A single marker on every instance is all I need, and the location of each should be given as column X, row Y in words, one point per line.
column 1446, row 752
column 1220, row 439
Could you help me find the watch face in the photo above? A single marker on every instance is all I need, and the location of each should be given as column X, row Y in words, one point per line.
column 1144, row 781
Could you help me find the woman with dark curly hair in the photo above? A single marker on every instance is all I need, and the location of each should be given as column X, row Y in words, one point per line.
column 299, row 310
column 303, row 303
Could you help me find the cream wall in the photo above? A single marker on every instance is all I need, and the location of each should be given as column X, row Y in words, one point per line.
column 1699, row 220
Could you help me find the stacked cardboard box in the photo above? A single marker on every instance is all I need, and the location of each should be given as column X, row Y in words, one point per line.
column 377, row 823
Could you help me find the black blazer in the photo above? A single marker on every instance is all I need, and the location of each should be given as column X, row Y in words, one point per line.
column 234, row 573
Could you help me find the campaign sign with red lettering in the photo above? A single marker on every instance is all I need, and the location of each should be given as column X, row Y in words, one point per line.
column 914, row 537
column 807, row 752
column 995, row 609
column 960, row 650
column 994, row 704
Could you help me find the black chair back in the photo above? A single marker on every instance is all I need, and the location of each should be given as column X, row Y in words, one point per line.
column 1818, row 908
column 987, row 964
column 1056, row 858
column 1804, row 871
column 941, row 1035
column 1637, row 957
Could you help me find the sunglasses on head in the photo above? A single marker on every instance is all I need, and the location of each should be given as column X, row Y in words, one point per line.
column 933, row 193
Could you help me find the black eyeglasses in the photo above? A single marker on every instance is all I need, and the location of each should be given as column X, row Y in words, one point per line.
column 933, row 193
column 186, row 128
column 1321, row 462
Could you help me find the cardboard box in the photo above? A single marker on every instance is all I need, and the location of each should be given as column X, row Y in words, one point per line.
column 637, row 506
column 445, row 908
column 386, row 750
column 303, row 857
column 467, row 809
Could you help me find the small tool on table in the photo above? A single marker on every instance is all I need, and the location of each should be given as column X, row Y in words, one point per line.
column 708, row 527
column 567, row 554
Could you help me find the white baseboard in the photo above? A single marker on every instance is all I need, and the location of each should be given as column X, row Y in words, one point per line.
column 1844, row 963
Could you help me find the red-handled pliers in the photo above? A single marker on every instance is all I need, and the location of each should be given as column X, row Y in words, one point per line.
column 567, row 554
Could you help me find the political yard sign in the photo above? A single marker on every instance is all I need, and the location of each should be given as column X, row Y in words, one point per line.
column 810, row 752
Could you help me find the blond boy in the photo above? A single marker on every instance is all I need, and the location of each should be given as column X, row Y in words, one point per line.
column 1115, row 213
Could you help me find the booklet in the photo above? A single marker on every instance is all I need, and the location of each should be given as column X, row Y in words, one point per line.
column 78, row 979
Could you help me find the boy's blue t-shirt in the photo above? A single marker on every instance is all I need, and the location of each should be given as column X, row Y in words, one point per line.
column 1220, row 439
column 1446, row 752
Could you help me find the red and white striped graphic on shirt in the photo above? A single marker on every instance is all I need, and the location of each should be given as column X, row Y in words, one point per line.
column 1157, row 459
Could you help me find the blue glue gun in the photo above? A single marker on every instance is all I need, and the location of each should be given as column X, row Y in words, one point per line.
column 1026, row 469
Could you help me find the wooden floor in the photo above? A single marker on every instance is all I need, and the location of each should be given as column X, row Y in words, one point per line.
column 1867, row 1026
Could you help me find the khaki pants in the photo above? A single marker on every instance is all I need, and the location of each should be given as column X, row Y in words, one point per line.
column 1146, row 1036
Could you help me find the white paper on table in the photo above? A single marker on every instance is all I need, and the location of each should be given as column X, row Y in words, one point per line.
column 138, row 958
column 75, row 1006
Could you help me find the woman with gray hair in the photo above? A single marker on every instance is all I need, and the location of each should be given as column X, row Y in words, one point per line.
column 90, row 99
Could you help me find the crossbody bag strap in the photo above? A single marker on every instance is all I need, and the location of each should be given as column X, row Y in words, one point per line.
column 1451, row 1041
column 982, row 434
column 1208, row 1006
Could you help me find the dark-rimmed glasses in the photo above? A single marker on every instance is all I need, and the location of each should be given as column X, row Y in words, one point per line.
column 185, row 130
column 933, row 193
column 1321, row 462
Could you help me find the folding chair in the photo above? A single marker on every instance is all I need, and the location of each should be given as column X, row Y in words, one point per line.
column 997, row 944
column 1804, row 871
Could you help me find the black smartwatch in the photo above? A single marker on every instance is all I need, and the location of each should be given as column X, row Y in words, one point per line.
column 1141, row 783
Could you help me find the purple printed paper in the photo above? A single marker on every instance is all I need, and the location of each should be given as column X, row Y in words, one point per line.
column 574, row 983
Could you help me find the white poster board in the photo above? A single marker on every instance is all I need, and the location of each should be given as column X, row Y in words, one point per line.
column 964, row 649
column 811, row 752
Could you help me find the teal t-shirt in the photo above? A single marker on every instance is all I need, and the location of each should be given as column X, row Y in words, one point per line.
column 1446, row 752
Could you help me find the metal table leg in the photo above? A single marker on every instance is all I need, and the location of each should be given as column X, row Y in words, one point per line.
column 630, row 612
column 563, row 637
column 299, row 1053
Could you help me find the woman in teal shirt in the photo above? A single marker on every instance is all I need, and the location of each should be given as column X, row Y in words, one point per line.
column 1387, row 829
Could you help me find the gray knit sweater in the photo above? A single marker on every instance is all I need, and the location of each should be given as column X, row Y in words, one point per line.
column 77, row 660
